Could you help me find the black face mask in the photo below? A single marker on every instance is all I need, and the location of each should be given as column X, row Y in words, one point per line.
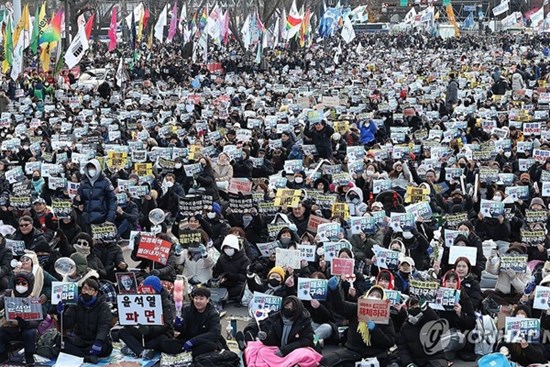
column 86, row 297
column 36, row 178
column 274, row 282
column 288, row 313
column 462, row 165
column 404, row 275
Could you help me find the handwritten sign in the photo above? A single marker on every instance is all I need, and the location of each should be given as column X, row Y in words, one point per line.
column 314, row 222
column 140, row 309
column 287, row 257
column 307, row 252
column 240, row 186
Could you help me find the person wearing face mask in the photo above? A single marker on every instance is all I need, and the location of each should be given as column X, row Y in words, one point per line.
column 19, row 330
column 288, row 341
column 461, row 319
column 403, row 274
column 415, row 243
column 524, row 351
column 171, row 192
column 365, row 339
column 198, row 265
column 206, row 179
column 354, row 198
column 274, row 285
column 90, row 321
column 252, row 222
column 96, row 196
column 496, row 229
column 231, row 267
column 410, row 346
column 398, row 313
column 83, row 245
column 38, row 183
column 70, row 228
column 287, row 237
column 218, row 225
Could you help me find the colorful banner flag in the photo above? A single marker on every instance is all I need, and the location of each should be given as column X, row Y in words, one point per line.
column 52, row 33
column 173, row 22
column 293, row 21
column 112, row 30
column 39, row 23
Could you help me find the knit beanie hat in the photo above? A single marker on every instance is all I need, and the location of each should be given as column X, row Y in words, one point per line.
column 277, row 270
column 153, row 282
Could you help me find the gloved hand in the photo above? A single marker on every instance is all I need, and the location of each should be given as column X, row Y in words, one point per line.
column 202, row 249
column 60, row 307
column 154, row 272
column 332, row 283
column 278, row 353
column 96, row 348
column 143, row 329
column 179, row 322
column 188, row 345
column 371, row 325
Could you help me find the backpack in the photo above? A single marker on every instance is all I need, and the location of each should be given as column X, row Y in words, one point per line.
column 486, row 334
column 224, row 358
column 49, row 344
column 494, row 359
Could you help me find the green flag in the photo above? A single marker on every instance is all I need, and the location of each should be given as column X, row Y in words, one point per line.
column 8, row 47
column 35, row 32
column 446, row 2
column 404, row 3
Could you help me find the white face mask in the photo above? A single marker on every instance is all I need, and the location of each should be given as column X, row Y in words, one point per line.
column 178, row 165
column 21, row 289
column 370, row 173
column 507, row 154
column 92, row 172
column 229, row 251
column 497, row 198
column 298, row 180
column 211, row 215
column 407, row 235
column 168, row 183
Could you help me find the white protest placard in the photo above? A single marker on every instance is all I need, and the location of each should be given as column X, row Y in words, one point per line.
column 268, row 248
column 542, row 298
column 287, row 257
column 328, row 231
column 451, row 235
column 140, row 309
column 462, row 251
column 307, row 252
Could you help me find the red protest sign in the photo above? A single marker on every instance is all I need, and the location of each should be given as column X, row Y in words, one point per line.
column 154, row 249
column 373, row 309
column 342, row 266
column 314, row 222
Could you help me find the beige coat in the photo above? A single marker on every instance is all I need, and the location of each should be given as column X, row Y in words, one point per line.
column 223, row 172
column 504, row 282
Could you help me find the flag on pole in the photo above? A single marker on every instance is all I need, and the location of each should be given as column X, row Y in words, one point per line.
column 134, row 34
column 293, row 21
column 537, row 17
column 304, row 28
column 39, row 24
column 138, row 14
column 173, row 22
column 203, row 18
column 52, row 33
column 247, row 34
column 45, row 56
column 16, row 11
column 112, row 30
column 78, row 46
column 8, row 46
column 23, row 29
column 348, row 33
column 501, row 8
column 120, row 74
column 183, row 17
column 161, row 23
column 89, row 26
column 150, row 41
column 452, row 19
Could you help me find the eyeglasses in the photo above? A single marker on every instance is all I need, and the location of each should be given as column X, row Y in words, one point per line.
column 23, row 225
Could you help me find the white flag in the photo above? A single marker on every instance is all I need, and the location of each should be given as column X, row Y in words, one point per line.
column 348, row 33
column 138, row 14
column 276, row 33
column 537, row 17
column 359, row 49
column 183, row 18
column 161, row 23
column 78, row 46
column 501, row 8
column 247, row 35
column 410, row 16
column 17, row 60
column 120, row 74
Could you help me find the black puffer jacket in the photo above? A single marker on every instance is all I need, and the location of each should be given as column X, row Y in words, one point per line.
column 233, row 268
column 206, row 180
column 301, row 333
column 110, row 255
column 89, row 323
column 6, row 256
column 201, row 327
column 32, row 239
column 411, row 349
column 98, row 197
column 168, row 315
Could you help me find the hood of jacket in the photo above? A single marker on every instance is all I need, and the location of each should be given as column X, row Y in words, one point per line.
column 355, row 190
column 97, row 166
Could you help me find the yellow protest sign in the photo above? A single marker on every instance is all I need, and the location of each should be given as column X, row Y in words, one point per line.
column 416, row 194
column 288, row 197
column 341, row 209
column 143, row 169
column 117, row 159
